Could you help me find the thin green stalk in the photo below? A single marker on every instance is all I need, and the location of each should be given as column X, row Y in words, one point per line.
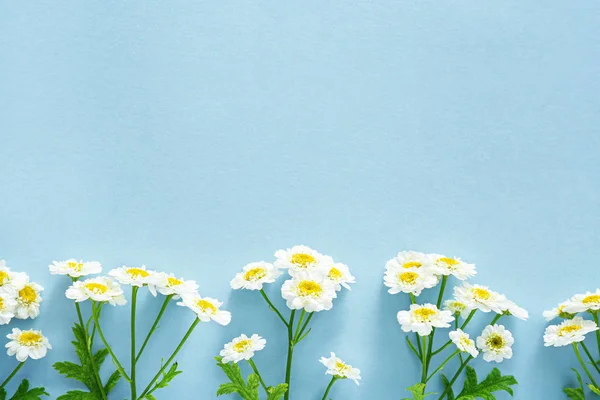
column 413, row 348
column 442, row 365
column 255, row 369
column 301, row 334
column 595, row 315
column 438, row 304
column 12, row 374
column 587, row 352
column 460, row 369
column 463, row 326
column 165, row 365
column 272, row 306
column 132, row 383
column 88, row 346
column 496, row 318
column 424, row 360
column 299, row 325
column 413, row 300
column 587, row 371
column 335, row 378
column 288, row 368
column 469, row 318
column 154, row 326
column 110, row 351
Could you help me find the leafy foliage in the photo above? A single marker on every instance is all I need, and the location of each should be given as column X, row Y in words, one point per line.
column 576, row 393
column 447, row 387
column 24, row 393
column 246, row 390
column 494, row 382
column 418, row 392
column 163, row 382
column 84, row 372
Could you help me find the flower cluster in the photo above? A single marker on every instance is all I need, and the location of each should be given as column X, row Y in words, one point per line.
column 19, row 298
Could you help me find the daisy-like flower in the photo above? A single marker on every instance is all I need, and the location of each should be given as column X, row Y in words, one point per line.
column 457, row 308
column 169, row 285
column 9, row 278
column 568, row 332
column 463, row 342
column 206, row 309
column 255, row 275
column 298, row 259
column 25, row 344
column 411, row 260
column 559, row 311
column 74, row 268
column 513, row 309
column 454, row 266
column 310, row 291
column 495, row 342
column 423, row 318
column 134, row 276
column 7, row 304
column 480, row 297
column 242, row 348
column 408, row 280
column 588, row 301
column 28, row 300
column 338, row 273
column 340, row 369
column 102, row 289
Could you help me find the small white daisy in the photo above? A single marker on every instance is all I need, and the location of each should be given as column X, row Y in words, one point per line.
column 495, row 342
column 338, row 273
column 169, row 285
column 255, row 275
column 568, row 332
column 298, row 259
column 101, row 289
column 8, row 304
column 454, row 266
column 74, row 268
column 242, row 348
column 423, row 318
column 26, row 344
column 206, row 309
column 559, row 311
column 9, row 278
column 588, row 301
column 411, row 260
column 457, row 308
column 310, row 291
column 338, row 368
column 134, row 276
column 463, row 342
column 513, row 309
column 408, row 280
column 28, row 300
column 480, row 297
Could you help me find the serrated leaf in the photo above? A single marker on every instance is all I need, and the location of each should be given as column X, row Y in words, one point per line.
column 277, row 392
column 418, row 392
column 576, row 393
column 77, row 395
column 238, row 385
column 24, row 393
column 494, row 382
column 447, row 387
column 112, row 381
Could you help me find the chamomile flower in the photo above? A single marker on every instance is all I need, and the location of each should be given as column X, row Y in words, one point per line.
column 298, row 259
column 423, row 318
column 74, row 268
column 414, row 260
column 338, row 368
column 206, row 308
column 513, row 309
column 134, row 276
column 7, row 304
column 495, row 342
column 169, row 285
column 27, row 344
column 310, row 291
column 588, row 301
column 9, row 278
column 568, row 332
column 463, row 342
column 254, row 275
column 480, row 297
column 101, row 289
column 454, row 266
column 457, row 308
column 242, row 348
column 408, row 280
column 338, row 273
column 28, row 300
column 559, row 311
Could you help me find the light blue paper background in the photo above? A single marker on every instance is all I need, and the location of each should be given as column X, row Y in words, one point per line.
column 195, row 137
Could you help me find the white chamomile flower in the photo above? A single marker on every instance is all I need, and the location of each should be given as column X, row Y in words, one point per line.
column 454, row 266
column 559, row 311
column 9, row 278
column 408, row 280
column 101, row 289
column 7, row 304
column 495, row 342
column 480, row 297
column 206, row 309
column 310, row 291
column 568, row 332
column 74, row 268
column 298, row 259
column 340, row 369
column 513, row 309
column 255, row 275
column 242, row 348
column 423, row 318
column 588, row 301
column 338, row 273
column 457, row 308
column 169, row 285
column 26, row 344
column 134, row 276
column 28, row 300
column 463, row 342
column 411, row 260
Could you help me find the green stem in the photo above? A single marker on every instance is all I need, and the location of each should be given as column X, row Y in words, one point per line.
column 587, row 371
column 299, row 325
column 424, row 360
column 335, row 378
column 443, row 364
column 496, row 318
column 154, row 326
column 12, row 374
column 413, row 300
column 101, row 334
column 88, row 346
column 469, row 318
column 300, row 335
column 165, row 365
column 595, row 316
column 255, row 369
column 587, row 352
column 460, row 369
column 272, row 306
column 288, row 368
column 132, row 383
column 439, row 304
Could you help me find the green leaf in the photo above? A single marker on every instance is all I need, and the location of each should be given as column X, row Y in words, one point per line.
column 77, row 395
column 418, row 392
column 494, row 382
column 24, row 393
column 277, row 392
column 594, row 389
column 576, row 393
column 167, row 377
column 112, row 381
column 447, row 387
column 247, row 391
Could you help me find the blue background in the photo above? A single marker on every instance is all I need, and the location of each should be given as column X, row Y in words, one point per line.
column 195, row 137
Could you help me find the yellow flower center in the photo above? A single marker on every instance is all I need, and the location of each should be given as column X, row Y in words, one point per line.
column 75, row 266
column 302, row 259
column 30, row 338
column 137, row 272
column 242, row 345
column 341, row 367
column 309, row 288
column 495, row 342
column 3, row 277
column 424, row 314
column 335, row 273
column 450, row 262
column 1, row 304
column 466, row 342
column 27, row 294
column 206, row 306
column 481, row 294
column 592, row 299
column 412, row 264
column 96, row 287
column 255, row 274
column 564, row 330
column 173, row 281
column 408, row 278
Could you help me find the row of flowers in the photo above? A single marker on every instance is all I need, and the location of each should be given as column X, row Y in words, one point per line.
column 313, row 283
